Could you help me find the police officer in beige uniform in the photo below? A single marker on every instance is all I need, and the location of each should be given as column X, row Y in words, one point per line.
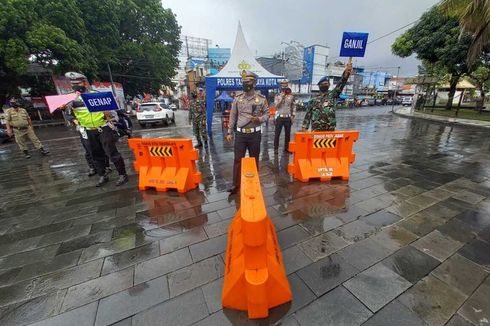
column 286, row 110
column 248, row 111
column 20, row 125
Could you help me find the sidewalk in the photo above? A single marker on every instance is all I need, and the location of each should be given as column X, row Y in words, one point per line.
column 407, row 112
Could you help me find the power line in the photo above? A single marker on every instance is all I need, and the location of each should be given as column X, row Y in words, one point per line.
column 392, row 32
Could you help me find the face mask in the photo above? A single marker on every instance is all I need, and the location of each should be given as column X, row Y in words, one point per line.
column 324, row 88
column 247, row 87
column 79, row 88
column 194, row 96
column 15, row 105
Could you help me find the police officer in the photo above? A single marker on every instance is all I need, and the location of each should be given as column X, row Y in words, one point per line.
column 284, row 103
column 197, row 116
column 98, row 133
column 248, row 111
column 320, row 111
column 20, row 125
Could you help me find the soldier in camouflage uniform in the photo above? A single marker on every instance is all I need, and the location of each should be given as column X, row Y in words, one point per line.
column 197, row 116
column 320, row 111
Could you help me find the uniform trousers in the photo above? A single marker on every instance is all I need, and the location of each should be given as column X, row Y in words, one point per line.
column 244, row 141
column 102, row 144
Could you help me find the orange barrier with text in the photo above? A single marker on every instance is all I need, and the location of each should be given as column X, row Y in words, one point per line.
column 165, row 164
column 255, row 278
column 322, row 155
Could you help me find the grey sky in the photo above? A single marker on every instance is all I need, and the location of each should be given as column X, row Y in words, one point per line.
column 267, row 23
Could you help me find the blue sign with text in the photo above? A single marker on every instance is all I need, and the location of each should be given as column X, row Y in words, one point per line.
column 96, row 102
column 353, row 44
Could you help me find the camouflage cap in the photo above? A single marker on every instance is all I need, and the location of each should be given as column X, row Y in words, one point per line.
column 73, row 76
column 324, row 79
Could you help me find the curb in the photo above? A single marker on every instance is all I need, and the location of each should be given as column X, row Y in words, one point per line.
column 427, row 117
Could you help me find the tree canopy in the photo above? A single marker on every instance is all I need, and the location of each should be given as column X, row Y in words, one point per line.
column 138, row 38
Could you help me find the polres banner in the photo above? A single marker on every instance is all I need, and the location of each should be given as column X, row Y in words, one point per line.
column 353, row 44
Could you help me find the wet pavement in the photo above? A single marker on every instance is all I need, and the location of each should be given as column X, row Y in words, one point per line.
column 406, row 241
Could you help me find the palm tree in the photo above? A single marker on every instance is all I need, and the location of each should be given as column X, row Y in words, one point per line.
column 474, row 18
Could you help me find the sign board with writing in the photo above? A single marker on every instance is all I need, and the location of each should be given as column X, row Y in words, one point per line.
column 353, row 44
column 96, row 102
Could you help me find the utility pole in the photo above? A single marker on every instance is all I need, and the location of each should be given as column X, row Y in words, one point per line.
column 396, row 88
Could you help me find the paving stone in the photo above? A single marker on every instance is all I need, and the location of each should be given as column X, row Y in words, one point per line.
column 212, row 295
column 410, row 190
column 411, row 263
column 162, row 265
column 404, row 209
column 373, row 204
column 381, row 218
column 98, row 288
column 107, row 249
column 183, row 310
column 355, row 231
column 394, row 314
column 353, row 213
column 182, row 240
column 439, row 210
column 294, row 259
column 432, row 300
column 377, row 286
column 59, row 262
column 477, row 220
column 217, row 229
column 131, row 301
column 364, row 253
column 19, row 246
column 195, row 275
column 130, row 257
column 477, row 308
column 85, row 242
column 83, row 316
column 338, row 307
column 32, row 310
column 327, row 273
column 208, row 248
column 457, row 320
column 317, row 226
column 291, row 236
column 394, row 237
column 439, row 193
column 421, row 225
column 468, row 196
column 64, row 235
column 28, row 257
column 457, row 230
column 477, row 251
column 461, row 274
column 322, row 245
column 437, row 245
column 422, row 200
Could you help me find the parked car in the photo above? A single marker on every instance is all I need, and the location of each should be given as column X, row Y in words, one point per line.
column 173, row 107
column 4, row 137
column 154, row 112
column 407, row 101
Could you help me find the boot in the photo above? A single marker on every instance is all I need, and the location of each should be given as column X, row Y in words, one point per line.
column 233, row 190
column 122, row 180
column 91, row 172
column 43, row 151
column 26, row 153
column 199, row 144
column 102, row 180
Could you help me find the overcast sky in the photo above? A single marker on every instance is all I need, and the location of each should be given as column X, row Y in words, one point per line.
column 268, row 23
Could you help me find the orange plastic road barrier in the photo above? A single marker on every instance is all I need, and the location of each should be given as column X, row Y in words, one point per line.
column 272, row 111
column 165, row 164
column 255, row 278
column 322, row 155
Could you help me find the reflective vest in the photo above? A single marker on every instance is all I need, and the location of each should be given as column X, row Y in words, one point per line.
column 86, row 118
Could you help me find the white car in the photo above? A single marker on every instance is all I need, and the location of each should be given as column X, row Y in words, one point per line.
column 407, row 101
column 154, row 112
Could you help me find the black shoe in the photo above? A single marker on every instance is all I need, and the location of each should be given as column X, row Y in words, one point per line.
column 102, row 180
column 276, row 151
column 108, row 170
column 233, row 190
column 206, row 144
column 91, row 172
column 122, row 180
column 43, row 151
column 26, row 154
column 198, row 145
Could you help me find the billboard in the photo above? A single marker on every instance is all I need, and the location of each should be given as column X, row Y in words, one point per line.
column 308, row 57
column 219, row 56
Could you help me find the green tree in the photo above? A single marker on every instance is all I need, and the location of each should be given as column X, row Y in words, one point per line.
column 474, row 18
column 138, row 38
column 436, row 40
column 481, row 77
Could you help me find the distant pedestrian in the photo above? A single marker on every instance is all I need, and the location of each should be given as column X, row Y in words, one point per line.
column 197, row 116
column 320, row 111
column 20, row 125
column 284, row 103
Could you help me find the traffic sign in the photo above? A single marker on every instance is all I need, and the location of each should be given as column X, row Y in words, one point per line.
column 101, row 101
column 353, row 44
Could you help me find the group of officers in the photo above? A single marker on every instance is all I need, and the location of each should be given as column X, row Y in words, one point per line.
column 249, row 111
